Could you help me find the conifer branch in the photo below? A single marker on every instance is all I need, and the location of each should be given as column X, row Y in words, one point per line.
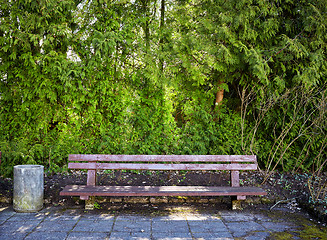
column 276, row 53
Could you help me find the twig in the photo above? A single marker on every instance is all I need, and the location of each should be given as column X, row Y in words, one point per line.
column 281, row 201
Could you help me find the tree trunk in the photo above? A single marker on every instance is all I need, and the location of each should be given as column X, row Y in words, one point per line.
column 162, row 24
column 220, row 94
column 146, row 25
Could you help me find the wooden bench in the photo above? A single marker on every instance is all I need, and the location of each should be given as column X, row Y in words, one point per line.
column 233, row 163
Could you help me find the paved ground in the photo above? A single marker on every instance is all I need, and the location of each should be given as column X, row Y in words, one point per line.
column 56, row 223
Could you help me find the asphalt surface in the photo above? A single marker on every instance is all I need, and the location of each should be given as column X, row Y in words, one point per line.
column 59, row 223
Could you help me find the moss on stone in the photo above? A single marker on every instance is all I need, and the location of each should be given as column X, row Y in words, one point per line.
column 313, row 232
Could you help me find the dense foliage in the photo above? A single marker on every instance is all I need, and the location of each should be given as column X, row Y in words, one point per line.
column 143, row 77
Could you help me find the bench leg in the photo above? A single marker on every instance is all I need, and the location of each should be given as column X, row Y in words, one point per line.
column 84, row 197
column 89, row 203
column 241, row 197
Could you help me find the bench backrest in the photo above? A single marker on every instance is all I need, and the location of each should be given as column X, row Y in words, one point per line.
column 163, row 162
column 93, row 162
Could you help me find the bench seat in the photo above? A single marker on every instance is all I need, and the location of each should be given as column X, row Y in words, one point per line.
column 84, row 190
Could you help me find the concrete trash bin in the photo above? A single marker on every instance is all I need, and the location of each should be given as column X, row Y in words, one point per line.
column 28, row 188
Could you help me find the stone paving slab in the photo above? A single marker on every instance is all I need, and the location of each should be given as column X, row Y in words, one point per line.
column 56, row 224
column 18, row 227
column 130, row 235
column 41, row 236
column 87, row 225
column 172, row 235
column 125, row 226
column 87, row 236
column 170, row 226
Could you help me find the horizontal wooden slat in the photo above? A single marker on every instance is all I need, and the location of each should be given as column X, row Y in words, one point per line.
column 161, row 166
column 162, row 158
column 83, row 190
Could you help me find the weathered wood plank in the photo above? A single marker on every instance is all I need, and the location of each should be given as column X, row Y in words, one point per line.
column 168, row 166
column 84, row 190
column 235, row 178
column 91, row 177
column 161, row 158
